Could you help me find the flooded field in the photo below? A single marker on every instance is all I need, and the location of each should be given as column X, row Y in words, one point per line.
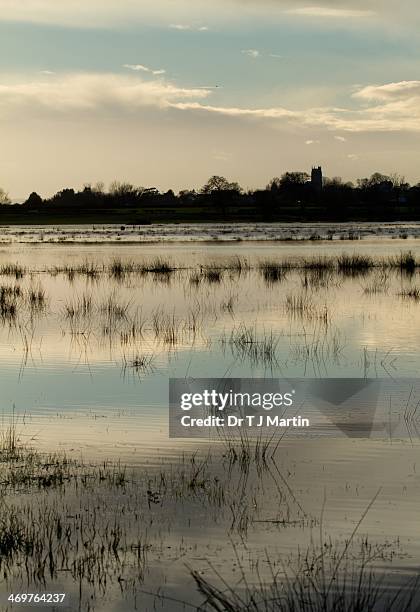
column 209, row 232
column 100, row 504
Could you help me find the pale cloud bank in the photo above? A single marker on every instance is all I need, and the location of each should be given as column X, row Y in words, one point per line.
column 142, row 68
column 330, row 12
column 254, row 53
column 390, row 91
column 194, row 15
column 383, row 108
column 184, row 27
column 87, row 91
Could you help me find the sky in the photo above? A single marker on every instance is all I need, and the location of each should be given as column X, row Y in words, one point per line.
column 170, row 92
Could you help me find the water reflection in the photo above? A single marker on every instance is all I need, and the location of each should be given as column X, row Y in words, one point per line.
column 85, row 369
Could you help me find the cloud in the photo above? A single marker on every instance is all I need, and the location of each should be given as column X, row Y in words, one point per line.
column 311, row 142
column 254, row 53
column 340, row 138
column 186, row 27
column 397, row 109
column 142, row 68
column 390, row 91
column 395, row 106
column 330, row 12
column 184, row 14
column 92, row 92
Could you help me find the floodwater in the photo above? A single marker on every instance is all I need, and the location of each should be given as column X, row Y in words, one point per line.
column 84, row 369
column 209, row 232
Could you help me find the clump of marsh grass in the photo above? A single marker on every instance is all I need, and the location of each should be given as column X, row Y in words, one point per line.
column 192, row 479
column 300, row 305
column 273, row 272
column 195, row 279
column 36, row 298
column 315, row 280
column 244, row 451
column 79, row 307
column 10, row 299
column 328, row 577
column 354, row 264
column 132, row 329
column 10, row 291
column 406, row 262
column 412, row 294
column 166, row 327
column 87, row 268
column 318, row 264
column 138, row 363
column 113, row 308
column 159, row 267
column 212, row 275
column 172, row 330
column 228, row 304
column 247, row 343
column 118, row 268
column 9, row 442
column 12, row 269
column 378, row 285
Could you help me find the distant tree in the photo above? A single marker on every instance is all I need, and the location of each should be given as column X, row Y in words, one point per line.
column 291, row 179
column 34, row 200
column 126, row 194
column 187, row 197
column 187, row 193
column 220, row 183
column 4, row 197
column 64, row 198
column 294, row 188
column 220, row 193
column 96, row 187
column 376, row 180
column 336, row 181
column 148, row 191
column 118, row 188
column 274, row 185
column 398, row 182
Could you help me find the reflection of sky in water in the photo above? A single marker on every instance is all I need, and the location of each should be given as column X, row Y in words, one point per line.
column 89, row 373
column 78, row 392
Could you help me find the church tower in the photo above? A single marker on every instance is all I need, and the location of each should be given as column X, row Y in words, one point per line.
column 316, row 179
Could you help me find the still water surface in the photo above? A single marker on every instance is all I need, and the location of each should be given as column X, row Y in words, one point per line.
column 92, row 380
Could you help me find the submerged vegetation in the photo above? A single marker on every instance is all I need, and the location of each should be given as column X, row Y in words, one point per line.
column 74, row 528
column 105, row 303
column 328, row 577
column 104, row 531
column 271, row 270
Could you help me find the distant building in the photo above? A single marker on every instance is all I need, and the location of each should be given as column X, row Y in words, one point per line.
column 316, row 179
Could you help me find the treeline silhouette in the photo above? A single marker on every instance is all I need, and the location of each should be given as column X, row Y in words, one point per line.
column 292, row 197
